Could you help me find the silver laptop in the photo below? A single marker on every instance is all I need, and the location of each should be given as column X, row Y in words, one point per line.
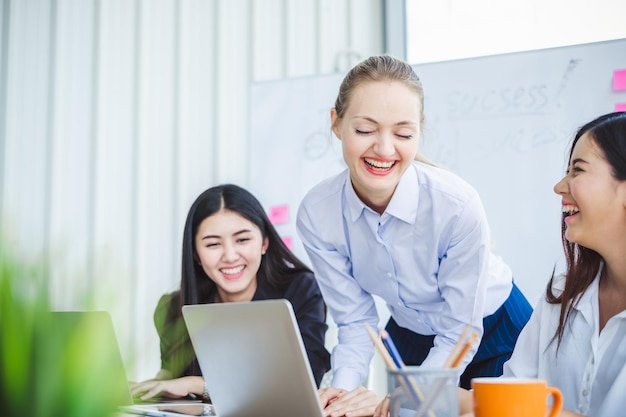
column 253, row 359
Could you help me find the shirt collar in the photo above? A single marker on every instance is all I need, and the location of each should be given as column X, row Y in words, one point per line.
column 591, row 293
column 403, row 204
column 588, row 302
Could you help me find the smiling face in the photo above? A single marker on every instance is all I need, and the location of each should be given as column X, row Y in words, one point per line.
column 379, row 131
column 229, row 248
column 594, row 201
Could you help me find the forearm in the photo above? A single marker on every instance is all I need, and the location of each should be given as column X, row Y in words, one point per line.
column 194, row 384
column 184, row 385
column 170, row 388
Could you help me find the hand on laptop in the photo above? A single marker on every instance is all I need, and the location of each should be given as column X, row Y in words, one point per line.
column 339, row 402
column 171, row 388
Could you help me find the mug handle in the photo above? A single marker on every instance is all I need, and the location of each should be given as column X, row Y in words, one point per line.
column 557, row 404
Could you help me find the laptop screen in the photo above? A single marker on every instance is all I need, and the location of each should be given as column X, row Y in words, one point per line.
column 253, row 359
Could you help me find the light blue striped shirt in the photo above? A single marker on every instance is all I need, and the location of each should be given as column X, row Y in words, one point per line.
column 427, row 256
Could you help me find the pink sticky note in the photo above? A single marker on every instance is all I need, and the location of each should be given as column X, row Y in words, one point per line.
column 620, row 107
column 287, row 241
column 619, row 80
column 279, row 214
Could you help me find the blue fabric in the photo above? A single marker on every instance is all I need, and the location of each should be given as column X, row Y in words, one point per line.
column 501, row 331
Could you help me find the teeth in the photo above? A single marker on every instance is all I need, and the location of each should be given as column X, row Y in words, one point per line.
column 568, row 209
column 232, row 271
column 379, row 164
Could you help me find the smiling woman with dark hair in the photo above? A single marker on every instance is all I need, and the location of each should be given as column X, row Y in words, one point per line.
column 576, row 337
column 232, row 252
column 576, row 340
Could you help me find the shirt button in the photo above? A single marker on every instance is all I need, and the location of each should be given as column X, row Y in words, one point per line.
column 389, row 274
column 585, row 392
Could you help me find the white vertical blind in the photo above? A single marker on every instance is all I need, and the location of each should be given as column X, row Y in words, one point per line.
column 70, row 129
column 268, row 46
column 157, row 147
column 301, row 19
column 116, row 114
column 26, row 164
column 234, row 70
column 115, row 171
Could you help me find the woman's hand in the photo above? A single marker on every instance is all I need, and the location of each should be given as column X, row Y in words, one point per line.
column 171, row 388
column 330, row 394
column 382, row 409
column 466, row 402
column 357, row 403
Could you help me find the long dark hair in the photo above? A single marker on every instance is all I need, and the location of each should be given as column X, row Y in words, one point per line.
column 609, row 133
column 278, row 266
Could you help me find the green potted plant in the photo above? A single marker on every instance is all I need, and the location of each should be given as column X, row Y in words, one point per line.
column 45, row 371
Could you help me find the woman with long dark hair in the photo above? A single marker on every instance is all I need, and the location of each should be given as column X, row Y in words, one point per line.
column 231, row 252
column 576, row 337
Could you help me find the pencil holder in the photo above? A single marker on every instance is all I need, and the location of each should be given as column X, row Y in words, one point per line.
column 423, row 392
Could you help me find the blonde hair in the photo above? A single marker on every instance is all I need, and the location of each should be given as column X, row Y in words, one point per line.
column 380, row 68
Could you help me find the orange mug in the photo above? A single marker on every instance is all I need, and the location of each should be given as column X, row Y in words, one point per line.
column 514, row 397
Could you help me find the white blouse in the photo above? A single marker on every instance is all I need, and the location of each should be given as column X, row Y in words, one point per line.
column 588, row 367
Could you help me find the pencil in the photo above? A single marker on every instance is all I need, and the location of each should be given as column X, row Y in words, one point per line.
column 457, row 348
column 412, row 389
column 381, row 348
column 459, row 352
column 391, row 347
column 463, row 352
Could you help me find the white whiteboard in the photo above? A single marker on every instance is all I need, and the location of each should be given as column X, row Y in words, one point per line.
column 502, row 122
